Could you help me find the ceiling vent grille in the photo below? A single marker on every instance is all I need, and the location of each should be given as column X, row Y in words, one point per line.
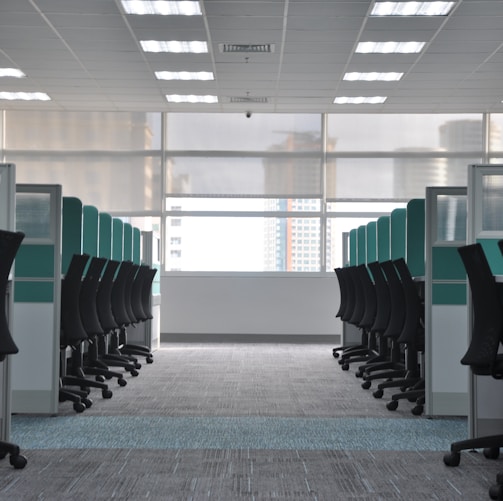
column 255, row 48
column 244, row 99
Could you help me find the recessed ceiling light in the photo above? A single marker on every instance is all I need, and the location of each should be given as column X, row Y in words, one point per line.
column 194, row 46
column 412, row 8
column 25, row 96
column 360, row 100
column 390, row 76
column 184, row 75
column 11, row 72
column 177, row 98
column 162, row 8
column 390, row 47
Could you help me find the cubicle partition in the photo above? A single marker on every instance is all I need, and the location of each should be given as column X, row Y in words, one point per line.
column 485, row 225
column 371, row 237
column 37, row 297
column 446, row 340
column 383, row 238
column 7, row 222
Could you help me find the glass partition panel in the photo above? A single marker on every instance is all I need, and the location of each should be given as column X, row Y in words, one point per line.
column 451, row 218
column 111, row 183
column 82, row 131
column 242, row 244
column 33, row 215
column 407, row 132
column 492, row 203
column 254, row 176
column 236, row 132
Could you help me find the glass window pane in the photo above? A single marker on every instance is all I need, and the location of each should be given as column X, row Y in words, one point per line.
column 496, row 132
column 235, row 132
column 451, row 218
column 254, row 176
column 82, row 131
column 393, row 178
column 400, row 132
column 242, row 244
column 126, row 183
column 492, row 203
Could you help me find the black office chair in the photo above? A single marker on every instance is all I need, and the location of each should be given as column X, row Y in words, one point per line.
column 486, row 335
column 73, row 335
column 9, row 245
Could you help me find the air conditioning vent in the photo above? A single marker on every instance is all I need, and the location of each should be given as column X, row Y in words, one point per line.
column 246, row 47
column 246, row 99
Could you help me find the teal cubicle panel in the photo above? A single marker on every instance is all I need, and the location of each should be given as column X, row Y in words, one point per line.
column 361, row 239
column 415, row 236
column 136, row 246
column 90, row 230
column 117, row 239
column 353, row 247
column 127, row 254
column 383, row 238
column 446, row 380
column 72, row 231
column 37, row 298
column 105, row 235
column 371, row 242
column 398, row 223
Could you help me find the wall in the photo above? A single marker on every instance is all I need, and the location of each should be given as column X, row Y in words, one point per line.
column 254, row 305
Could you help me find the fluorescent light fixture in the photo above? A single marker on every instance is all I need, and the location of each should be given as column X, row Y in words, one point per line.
column 390, row 47
column 195, row 46
column 25, row 96
column 11, row 72
column 412, row 8
column 177, row 98
column 184, row 75
column 373, row 76
column 162, row 8
column 360, row 100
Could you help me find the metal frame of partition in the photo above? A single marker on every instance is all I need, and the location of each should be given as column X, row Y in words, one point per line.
column 446, row 380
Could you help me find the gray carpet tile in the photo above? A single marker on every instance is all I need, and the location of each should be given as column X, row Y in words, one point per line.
column 231, row 422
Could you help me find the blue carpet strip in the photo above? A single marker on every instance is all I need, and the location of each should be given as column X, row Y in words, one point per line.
column 112, row 432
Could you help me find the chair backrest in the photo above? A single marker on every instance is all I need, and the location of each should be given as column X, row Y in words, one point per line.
column 72, row 330
column 487, row 309
column 413, row 327
column 119, row 294
column 397, row 301
column 104, row 296
column 343, row 292
column 146, row 292
column 382, row 298
column 136, row 302
column 359, row 304
column 369, row 295
column 128, row 293
column 10, row 242
column 88, row 297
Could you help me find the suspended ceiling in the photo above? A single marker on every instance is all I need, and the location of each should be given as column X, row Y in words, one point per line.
column 86, row 55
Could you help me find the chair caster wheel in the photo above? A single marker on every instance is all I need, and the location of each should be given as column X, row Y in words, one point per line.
column 417, row 410
column 100, row 379
column 392, row 406
column 79, row 407
column 135, row 373
column 18, row 461
column 137, row 365
column 106, row 393
column 492, row 452
column 345, row 367
column 335, row 354
column 378, row 393
column 150, row 360
column 452, row 459
column 122, row 381
column 87, row 402
column 496, row 491
column 366, row 385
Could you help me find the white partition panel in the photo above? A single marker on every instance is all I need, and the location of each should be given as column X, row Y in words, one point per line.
column 7, row 222
column 446, row 340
